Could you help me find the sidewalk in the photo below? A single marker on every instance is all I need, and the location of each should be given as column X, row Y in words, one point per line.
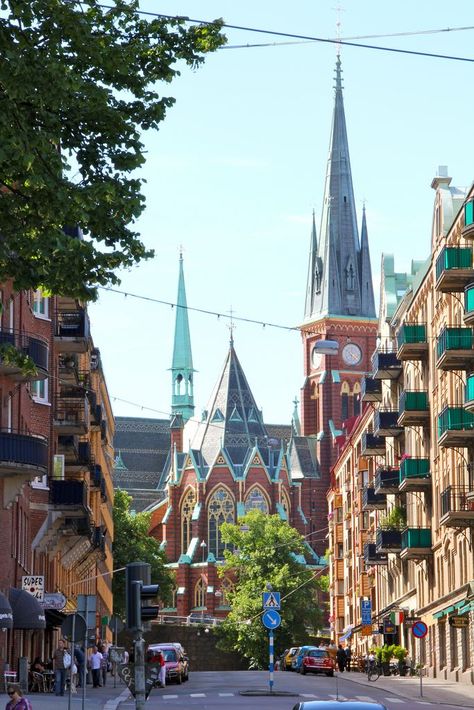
column 107, row 698
column 435, row 690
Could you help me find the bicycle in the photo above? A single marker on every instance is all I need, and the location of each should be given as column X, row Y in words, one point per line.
column 374, row 671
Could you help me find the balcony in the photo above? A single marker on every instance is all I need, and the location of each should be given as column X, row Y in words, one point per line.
column 77, row 454
column 468, row 229
column 372, row 445
column 68, row 494
column 388, row 541
column 371, row 390
column 454, row 269
column 454, row 349
column 457, row 507
column 469, row 393
column 386, row 423
column 385, row 366
column 412, row 342
column 414, row 408
column 18, row 343
column 22, row 455
column 468, row 316
column 416, row 543
column 455, row 427
column 470, row 492
column 372, row 557
column 72, row 331
column 96, row 475
column 415, row 475
column 387, row 480
column 372, row 500
column 71, row 415
column 96, row 417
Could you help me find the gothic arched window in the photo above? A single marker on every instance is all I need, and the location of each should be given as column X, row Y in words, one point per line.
column 356, row 398
column 256, row 500
column 220, row 510
column 225, row 588
column 187, row 507
column 200, row 591
column 285, row 501
column 345, row 401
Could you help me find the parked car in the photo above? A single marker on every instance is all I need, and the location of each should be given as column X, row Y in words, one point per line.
column 289, row 657
column 298, row 657
column 317, row 660
column 176, row 661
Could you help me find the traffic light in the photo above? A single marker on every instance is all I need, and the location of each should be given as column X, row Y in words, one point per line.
column 137, row 590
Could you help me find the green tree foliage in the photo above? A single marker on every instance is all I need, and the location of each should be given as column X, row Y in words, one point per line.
column 133, row 543
column 264, row 553
column 78, row 84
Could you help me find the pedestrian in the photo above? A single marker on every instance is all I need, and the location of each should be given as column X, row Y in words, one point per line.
column 60, row 665
column 341, row 658
column 348, row 658
column 96, row 660
column 104, row 664
column 17, row 700
column 161, row 661
column 80, row 658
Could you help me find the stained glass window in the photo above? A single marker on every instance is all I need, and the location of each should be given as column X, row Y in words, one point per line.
column 200, row 591
column 256, row 501
column 220, row 510
column 187, row 507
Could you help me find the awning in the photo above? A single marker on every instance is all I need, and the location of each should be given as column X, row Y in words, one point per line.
column 448, row 610
column 27, row 611
column 347, row 634
column 6, row 615
column 54, row 618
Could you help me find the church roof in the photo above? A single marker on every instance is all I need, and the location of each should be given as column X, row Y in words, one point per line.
column 339, row 273
column 182, row 354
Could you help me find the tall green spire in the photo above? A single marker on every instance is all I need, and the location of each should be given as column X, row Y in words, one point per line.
column 182, row 399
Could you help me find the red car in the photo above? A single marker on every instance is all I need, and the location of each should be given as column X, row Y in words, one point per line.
column 317, row 660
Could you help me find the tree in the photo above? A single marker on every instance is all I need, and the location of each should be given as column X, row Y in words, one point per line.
column 265, row 553
column 132, row 543
column 78, row 84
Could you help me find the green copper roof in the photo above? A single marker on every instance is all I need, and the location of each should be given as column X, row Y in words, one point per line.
column 182, row 400
column 119, row 464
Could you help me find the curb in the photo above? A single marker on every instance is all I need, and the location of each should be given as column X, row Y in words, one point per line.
column 408, row 697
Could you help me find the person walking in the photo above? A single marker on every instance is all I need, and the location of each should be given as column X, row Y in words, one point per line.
column 341, row 658
column 17, row 700
column 96, row 660
column 104, row 664
column 79, row 657
column 348, row 658
column 59, row 668
column 161, row 661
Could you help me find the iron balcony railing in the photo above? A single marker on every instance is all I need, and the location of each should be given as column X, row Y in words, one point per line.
column 411, row 334
column 72, row 324
column 416, row 538
column 68, row 493
column 386, row 479
column 456, row 499
column 23, row 449
column 32, row 345
column 371, row 390
column 415, row 468
column 388, row 540
column 454, row 419
column 385, row 365
column 413, row 401
column 372, row 500
column 453, row 258
column 452, row 338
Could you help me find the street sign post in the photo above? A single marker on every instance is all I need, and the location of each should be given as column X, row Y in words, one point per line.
column 271, row 619
column 419, row 630
column 271, row 600
column 366, row 612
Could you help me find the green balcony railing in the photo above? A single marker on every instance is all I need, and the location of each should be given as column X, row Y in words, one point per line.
column 454, row 339
column 469, row 213
column 411, row 333
column 469, row 299
column 416, row 537
column 453, row 258
column 413, row 401
column 454, row 418
column 469, row 391
column 414, row 468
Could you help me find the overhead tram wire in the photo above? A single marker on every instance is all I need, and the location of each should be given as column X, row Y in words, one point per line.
column 310, row 38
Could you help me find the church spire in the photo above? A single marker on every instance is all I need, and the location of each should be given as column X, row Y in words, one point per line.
column 336, row 284
column 182, row 400
column 368, row 303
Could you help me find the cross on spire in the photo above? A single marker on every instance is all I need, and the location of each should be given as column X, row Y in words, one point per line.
column 231, row 325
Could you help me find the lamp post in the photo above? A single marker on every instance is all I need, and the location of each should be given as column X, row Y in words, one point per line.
column 203, row 548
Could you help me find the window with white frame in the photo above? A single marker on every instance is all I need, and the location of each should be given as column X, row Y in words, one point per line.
column 40, row 304
column 39, row 390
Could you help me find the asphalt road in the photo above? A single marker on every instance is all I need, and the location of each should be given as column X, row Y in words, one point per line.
column 222, row 691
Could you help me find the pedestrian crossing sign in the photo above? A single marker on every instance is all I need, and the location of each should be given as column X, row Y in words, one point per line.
column 271, row 600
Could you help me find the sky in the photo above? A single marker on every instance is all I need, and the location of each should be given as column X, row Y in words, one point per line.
column 239, row 164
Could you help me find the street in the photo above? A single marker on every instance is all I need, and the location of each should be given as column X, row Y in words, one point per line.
column 218, row 690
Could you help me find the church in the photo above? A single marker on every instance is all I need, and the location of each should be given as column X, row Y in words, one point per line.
column 233, row 461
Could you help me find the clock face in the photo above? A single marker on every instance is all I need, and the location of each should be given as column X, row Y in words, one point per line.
column 316, row 359
column 351, row 354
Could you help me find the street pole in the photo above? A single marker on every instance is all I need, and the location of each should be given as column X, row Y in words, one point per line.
column 139, row 650
column 270, row 638
column 115, row 644
column 421, row 681
column 69, row 700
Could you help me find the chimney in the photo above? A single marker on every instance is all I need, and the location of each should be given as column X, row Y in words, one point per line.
column 176, row 427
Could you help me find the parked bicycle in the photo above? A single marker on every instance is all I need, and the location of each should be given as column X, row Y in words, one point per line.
column 374, row 671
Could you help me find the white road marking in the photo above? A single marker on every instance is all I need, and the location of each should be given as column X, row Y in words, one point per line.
column 226, row 695
column 308, row 695
column 423, row 702
column 364, row 698
column 394, row 700
column 169, row 697
column 338, row 697
column 197, row 695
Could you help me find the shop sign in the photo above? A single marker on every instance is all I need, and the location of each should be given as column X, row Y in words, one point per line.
column 34, row 585
column 53, row 600
column 459, row 622
column 366, row 630
column 389, row 627
column 409, row 621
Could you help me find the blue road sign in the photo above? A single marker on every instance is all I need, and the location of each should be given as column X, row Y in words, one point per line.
column 419, row 630
column 366, row 611
column 271, row 619
column 271, row 600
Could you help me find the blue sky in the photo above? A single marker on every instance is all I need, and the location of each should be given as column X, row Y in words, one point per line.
column 239, row 164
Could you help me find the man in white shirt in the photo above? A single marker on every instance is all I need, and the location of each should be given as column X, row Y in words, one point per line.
column 95, row 660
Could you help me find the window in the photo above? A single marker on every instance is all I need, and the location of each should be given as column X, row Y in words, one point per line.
column 39, row 390
column 200, row 591
column 256, row 500
column 345, row 401
column 285, row 501
column 40, row 305
column 187, row 507
column 442, row 645
column 356, row 399
column 226, row 588
column 220, row 510
column 466, row 651
column 453, row 642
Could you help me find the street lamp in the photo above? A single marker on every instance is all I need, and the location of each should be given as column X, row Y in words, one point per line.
column 203, row 548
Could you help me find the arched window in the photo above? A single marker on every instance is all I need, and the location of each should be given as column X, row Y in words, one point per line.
column 187, row 507
column 285, row 501
column 200, row 591
column 225, row 588
column 256, row 500
column 356, row 398
column 219, row 510
column 345, row 401
column 174, row 597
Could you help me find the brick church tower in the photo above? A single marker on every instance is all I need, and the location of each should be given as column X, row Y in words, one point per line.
column 340, row 326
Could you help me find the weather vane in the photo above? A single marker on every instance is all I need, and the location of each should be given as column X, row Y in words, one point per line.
column 339, row 10
column 231, row 325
